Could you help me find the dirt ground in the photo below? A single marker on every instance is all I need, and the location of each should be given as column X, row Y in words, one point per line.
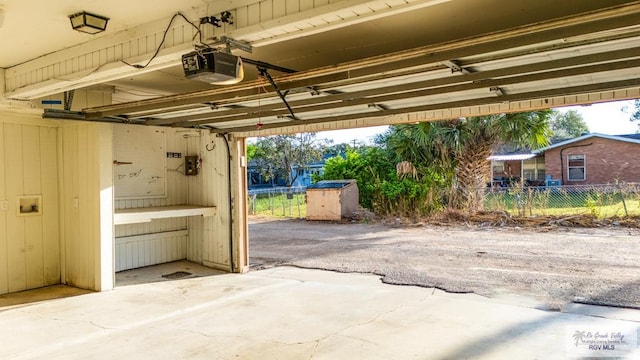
column 553, row 266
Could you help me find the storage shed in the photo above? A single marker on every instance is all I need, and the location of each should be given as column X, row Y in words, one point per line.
column 332, row 199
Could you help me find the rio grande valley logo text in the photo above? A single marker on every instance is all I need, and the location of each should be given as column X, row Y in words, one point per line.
column 599, row 340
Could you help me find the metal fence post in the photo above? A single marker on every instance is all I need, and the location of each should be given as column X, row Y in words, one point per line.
column 284, row 211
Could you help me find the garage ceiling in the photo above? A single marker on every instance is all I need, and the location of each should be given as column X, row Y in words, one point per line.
column 355, row 60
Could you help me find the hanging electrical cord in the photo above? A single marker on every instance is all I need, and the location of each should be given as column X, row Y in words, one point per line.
column 164, row 37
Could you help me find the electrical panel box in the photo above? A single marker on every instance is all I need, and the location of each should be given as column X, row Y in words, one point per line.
column 191, row 165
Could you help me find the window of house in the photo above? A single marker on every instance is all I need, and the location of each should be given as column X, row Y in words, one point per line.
column 576, row 167
column 529, row 169
column 498, row 166
column 533, row 169
column 541, row 169
column 529, row 174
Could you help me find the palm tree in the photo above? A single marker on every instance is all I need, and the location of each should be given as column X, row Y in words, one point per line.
column 460, row 147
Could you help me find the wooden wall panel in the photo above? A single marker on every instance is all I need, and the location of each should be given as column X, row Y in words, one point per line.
column 197, row 248
column 16, row 249
column 75, row 262
column 209, row 237
column 85, row 249
column 133, row 254
column 50, row 204
column 28, row 166
column 240, row 211
column 82, row 258
column 144, row 250
column 4, row 286
column 278, row 8
column 102, row 188
column 34, row 254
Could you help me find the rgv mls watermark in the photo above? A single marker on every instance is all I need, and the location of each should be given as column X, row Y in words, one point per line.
column 601, row 341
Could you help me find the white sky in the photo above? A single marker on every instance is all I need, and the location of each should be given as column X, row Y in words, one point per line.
column 608, row 118
column 605, row 118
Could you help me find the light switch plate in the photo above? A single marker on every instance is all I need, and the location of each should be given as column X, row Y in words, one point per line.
column 76, row 202
column 4, row 205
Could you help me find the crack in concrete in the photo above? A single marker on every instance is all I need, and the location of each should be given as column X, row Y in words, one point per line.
column 436, row 286
column 102, row 327
column 318, row 341
column 338, row 332
column 315, row 348
column 203, row 333
column 383, row 278
column 44, row 317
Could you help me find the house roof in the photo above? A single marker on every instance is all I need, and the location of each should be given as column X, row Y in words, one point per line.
column 508, row 157
column 631, row 138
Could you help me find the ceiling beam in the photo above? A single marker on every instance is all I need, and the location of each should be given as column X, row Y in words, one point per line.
column 511, row 40
column 542, row 94
column 493, row 85
column 496, row 107
column 486, row 79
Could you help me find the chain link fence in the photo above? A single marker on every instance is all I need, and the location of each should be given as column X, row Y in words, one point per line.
column 281, row 201
column 602, row 201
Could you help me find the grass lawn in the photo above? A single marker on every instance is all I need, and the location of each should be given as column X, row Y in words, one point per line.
column 278, row 205
column 602, row 205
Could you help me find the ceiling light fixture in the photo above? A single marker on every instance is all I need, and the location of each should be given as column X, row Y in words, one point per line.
column 88, row 23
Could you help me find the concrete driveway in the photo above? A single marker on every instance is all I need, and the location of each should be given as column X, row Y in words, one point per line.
column 559, row 266
column 291, row 313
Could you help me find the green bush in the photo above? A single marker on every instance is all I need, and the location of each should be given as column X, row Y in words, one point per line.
column 366, row 166
column 380, row 189
column 407, row 197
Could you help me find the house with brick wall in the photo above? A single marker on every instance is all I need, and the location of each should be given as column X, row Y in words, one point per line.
column 591, row 159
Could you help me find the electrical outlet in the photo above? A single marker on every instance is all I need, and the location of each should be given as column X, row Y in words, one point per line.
column 4, row 205
column 76, row 202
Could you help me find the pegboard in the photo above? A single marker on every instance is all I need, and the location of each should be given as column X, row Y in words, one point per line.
column 140, row 164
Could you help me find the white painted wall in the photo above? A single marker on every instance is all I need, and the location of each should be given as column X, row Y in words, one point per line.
column 158, row 241
column 199, row 239
column 74, row 241
column 86, row 210
column 29, row 245
column 209, row 237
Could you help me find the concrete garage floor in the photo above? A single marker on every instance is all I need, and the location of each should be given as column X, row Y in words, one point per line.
column 286, row 313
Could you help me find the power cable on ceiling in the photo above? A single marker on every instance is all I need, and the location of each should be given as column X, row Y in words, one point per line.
column 164, row 37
